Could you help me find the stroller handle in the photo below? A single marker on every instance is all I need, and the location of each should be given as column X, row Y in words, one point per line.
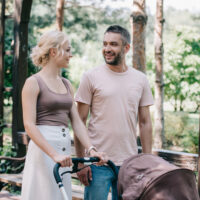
column 82, row 160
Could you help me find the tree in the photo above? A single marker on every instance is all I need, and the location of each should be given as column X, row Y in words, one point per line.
column 139, row 20
column 159, row 90
column 183, row 69
column 59, row 14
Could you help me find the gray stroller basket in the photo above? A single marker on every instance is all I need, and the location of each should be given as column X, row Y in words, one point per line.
column 149, row 177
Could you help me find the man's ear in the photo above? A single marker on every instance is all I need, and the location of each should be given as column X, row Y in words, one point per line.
column 126, row 48
column 52, row 52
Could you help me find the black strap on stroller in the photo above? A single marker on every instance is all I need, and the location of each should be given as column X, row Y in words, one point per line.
column 76, row 161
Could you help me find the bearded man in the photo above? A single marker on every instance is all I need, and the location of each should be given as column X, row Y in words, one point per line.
column 117, row 96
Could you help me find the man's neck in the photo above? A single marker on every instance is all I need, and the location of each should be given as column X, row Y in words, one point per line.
column 118, row 68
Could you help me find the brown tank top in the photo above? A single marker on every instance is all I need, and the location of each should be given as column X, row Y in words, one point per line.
column 52, row 108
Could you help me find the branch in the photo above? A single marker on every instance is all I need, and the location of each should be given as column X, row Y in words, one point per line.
column 72, row 4
column 77, row 5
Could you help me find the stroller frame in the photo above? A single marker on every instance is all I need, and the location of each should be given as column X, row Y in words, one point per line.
column 75, row 169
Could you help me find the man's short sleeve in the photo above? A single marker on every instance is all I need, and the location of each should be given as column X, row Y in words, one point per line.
column 147, row 98
column 84, row 92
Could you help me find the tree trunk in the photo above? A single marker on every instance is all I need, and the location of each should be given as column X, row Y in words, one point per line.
column 159, row 90
column 59, row 14
column 138, row 22
column 199, row 159
column 20, row 68
column 2, row 37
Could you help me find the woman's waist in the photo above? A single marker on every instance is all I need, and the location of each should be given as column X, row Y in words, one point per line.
column 54, row 133
column 53, row 122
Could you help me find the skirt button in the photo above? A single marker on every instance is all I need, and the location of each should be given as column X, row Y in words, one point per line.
column 63, row 149
column 63, row 130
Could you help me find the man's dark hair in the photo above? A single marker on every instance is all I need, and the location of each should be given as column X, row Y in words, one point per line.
column 126, row 38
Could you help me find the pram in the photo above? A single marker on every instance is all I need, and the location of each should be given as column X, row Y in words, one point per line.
column 75, row 169
column 145, row 177
column 149, row 177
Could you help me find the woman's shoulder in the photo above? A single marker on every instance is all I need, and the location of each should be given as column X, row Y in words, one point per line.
column 32, row 82
column 67, row 83
column 32, row 79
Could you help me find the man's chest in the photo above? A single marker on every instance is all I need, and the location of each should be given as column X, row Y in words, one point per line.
column 118, row 90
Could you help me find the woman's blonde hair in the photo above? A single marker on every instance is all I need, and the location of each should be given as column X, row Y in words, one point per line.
column 51, row 39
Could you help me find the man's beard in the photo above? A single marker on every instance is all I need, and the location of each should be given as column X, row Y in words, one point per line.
column 116, row 61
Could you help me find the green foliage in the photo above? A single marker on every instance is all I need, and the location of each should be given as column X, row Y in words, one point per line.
column 9, row 151
column 181, row 131
column 182, row 75
column 181, row 58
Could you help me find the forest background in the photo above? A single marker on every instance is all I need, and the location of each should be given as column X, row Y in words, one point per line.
column 85, row 24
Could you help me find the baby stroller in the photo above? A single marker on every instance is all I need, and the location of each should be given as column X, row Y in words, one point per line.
column 149, row 177
column 75, row 169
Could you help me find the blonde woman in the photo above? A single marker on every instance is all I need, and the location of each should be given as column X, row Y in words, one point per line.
column 48, row 105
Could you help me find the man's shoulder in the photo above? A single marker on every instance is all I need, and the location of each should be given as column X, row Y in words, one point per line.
column 136, row 72
column 94, row 71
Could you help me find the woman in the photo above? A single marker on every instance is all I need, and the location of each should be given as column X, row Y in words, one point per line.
column 48, row 105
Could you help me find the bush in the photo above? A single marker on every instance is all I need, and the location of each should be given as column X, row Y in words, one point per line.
column 181, row 131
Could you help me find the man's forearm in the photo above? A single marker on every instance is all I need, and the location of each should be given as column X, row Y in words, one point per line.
column 146, row 137
column 80, row 150
column 83, row 110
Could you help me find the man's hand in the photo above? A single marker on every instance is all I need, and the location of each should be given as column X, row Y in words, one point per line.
column 85, row 175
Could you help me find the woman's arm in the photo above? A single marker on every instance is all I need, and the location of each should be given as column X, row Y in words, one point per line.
column 29, row 101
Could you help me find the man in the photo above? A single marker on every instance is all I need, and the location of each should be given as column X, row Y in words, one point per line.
column 117, row 96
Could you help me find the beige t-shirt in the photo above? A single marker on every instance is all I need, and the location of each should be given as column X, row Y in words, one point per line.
column 114, row 99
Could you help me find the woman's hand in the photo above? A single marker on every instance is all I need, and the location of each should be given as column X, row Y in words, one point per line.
column 101, row 155
column 64, row 160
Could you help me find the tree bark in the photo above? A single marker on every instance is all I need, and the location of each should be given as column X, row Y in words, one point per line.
column 138, row 22
column 20, row 67
column 59, row 14
column 199, row 159
column 159, row 89
column 2, row 37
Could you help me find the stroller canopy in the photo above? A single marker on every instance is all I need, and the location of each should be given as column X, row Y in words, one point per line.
column 149, row 177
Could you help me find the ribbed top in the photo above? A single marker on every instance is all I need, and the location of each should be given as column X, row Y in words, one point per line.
column 53, row 108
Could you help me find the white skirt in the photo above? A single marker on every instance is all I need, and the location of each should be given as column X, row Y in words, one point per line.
column 38, row 180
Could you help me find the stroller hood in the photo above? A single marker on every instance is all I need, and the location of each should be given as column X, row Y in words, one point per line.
column 139, row 173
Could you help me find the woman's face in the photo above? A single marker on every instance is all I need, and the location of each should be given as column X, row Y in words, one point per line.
column 63, row 58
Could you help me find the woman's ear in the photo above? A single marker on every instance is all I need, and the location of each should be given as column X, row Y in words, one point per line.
column 53, row 52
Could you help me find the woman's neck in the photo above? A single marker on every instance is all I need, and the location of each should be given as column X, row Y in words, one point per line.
column 51, row 71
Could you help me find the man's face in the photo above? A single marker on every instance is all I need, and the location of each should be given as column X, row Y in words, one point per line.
column 113, row 48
